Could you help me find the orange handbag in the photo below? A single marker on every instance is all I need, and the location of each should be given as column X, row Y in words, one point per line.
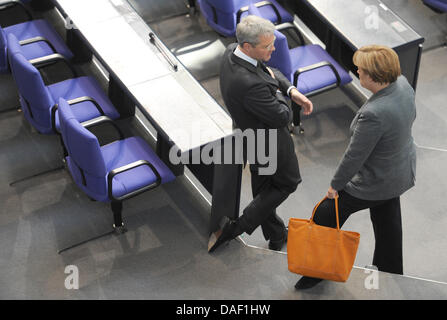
column 321, row 252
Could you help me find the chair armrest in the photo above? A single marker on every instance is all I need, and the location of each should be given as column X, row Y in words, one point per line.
column 37, row 39
column 258, row 5
column 43, row 62
column 288, row 25
column 84, row 99
column 73, row 102
column 101, row 120
column 4, row 4
column 313, row 67
column 128, row 167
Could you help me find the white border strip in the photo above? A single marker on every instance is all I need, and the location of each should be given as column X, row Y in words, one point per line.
column 360, row 268
column 430, row 148
column 100, row 67
column 406, row 276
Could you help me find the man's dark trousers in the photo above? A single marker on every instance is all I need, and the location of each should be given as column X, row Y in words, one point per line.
column 269, row 191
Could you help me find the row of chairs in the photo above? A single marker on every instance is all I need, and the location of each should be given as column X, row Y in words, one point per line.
column 37, row 37
column 109, row 173
column 308, row 67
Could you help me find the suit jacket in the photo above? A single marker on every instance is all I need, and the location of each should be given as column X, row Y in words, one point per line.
column 380, row 161
column 253, row 100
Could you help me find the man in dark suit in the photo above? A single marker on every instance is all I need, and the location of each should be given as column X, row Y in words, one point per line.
column 254, row 95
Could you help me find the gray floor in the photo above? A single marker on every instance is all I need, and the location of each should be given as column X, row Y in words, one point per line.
column 163, row 255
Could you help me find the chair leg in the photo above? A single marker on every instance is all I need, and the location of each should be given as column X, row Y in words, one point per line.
column 11, row 109
column 88, row 240
column 192, row 7
column 118, row 226
column 296, row 109
column 64, row 149
column 37, row 174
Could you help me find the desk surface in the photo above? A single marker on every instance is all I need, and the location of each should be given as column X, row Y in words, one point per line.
column 174, row 100
column 365, row 22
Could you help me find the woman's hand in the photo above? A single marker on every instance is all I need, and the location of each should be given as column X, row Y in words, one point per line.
column 332, row 193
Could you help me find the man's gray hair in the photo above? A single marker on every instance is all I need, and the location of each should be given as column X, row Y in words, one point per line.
column 251, row 27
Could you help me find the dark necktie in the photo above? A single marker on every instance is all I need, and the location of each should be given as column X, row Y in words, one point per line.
column 262, row 67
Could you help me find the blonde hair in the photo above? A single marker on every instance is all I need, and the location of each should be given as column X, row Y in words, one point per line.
column 381, row 63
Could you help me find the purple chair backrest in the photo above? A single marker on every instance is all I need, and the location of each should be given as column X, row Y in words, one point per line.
column 228, row 6
column 3, row 52
column 253, row 10
column 281, row 56
column 224, row 11
column 33, row 92
column 84, row 151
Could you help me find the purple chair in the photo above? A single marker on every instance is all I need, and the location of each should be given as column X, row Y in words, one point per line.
column 270, row 10
column 37, row 38
column 437, row 5
column 38, row 101
column 309, row 68
column 111, row 173
column 224, row 15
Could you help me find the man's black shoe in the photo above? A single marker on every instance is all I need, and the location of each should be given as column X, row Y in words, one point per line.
column 277, row 245
column 224, row 234
column 307, row 283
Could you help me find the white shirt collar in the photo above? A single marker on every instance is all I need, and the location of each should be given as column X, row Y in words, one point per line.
column 243, row 56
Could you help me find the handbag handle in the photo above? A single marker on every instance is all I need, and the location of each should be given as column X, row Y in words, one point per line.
column 336, row 210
